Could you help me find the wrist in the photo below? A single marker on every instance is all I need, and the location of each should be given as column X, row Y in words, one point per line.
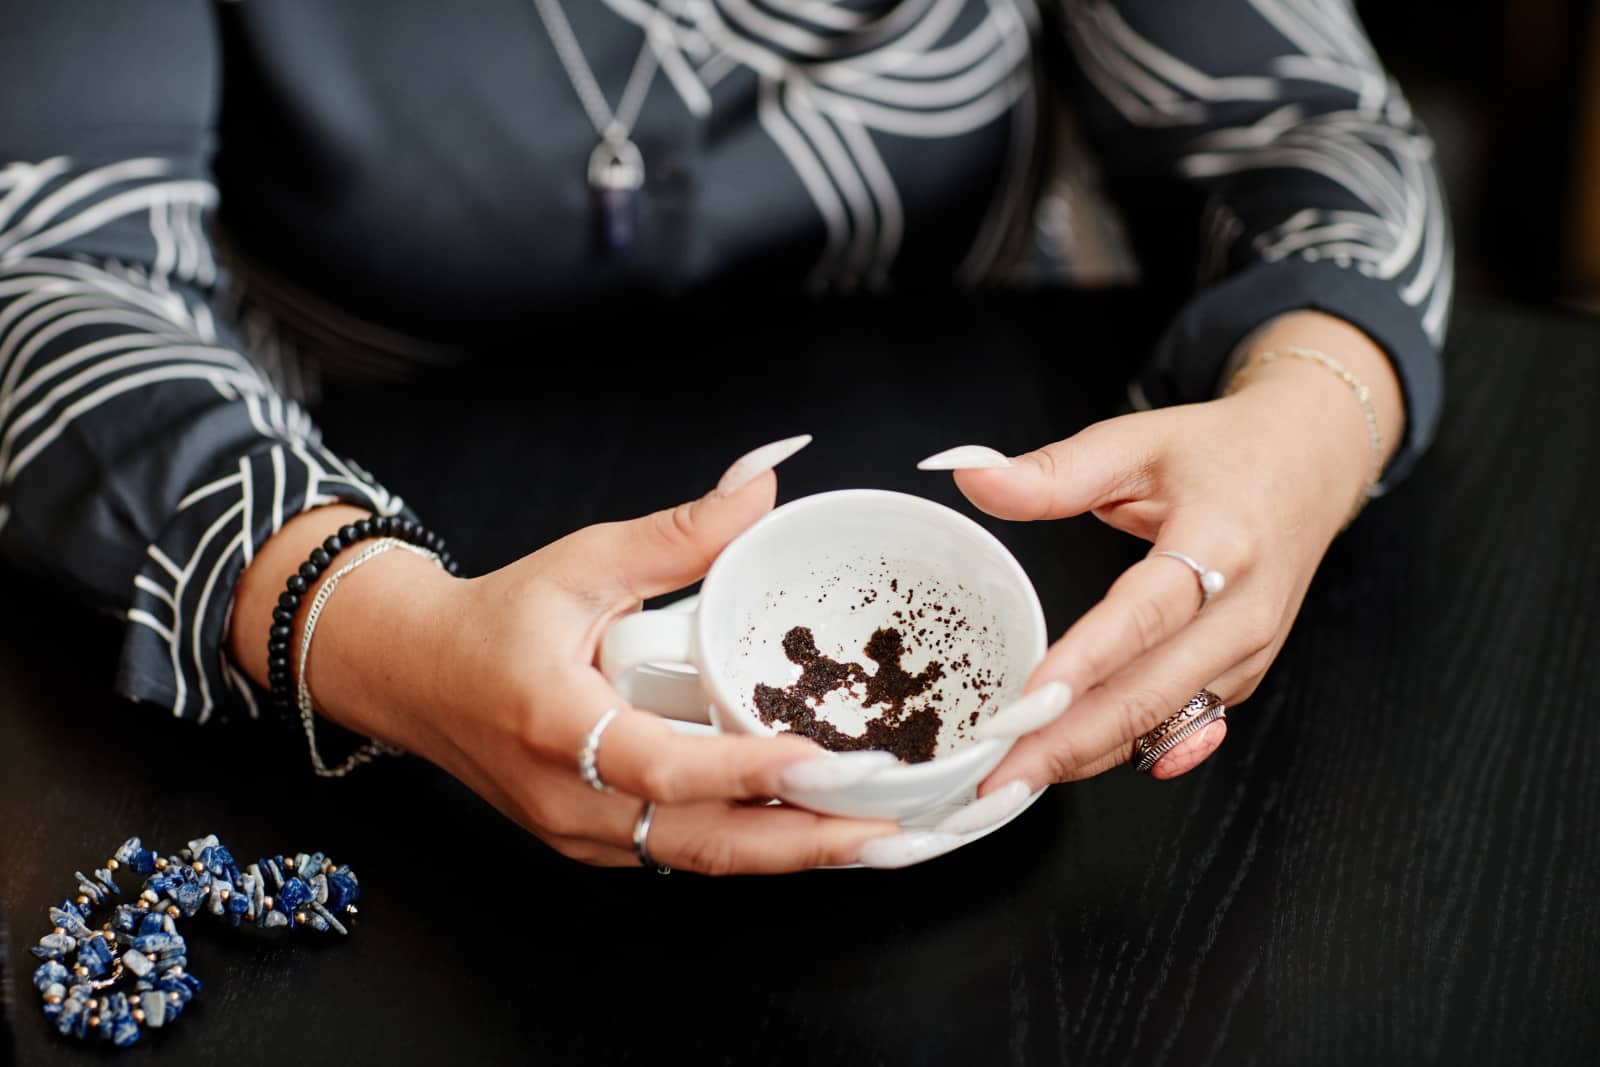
column 1346, row 345
column 1332, row 395
column 376, row 664
column 372, row 661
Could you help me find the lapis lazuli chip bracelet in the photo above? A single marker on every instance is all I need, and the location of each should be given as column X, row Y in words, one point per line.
column 141, row 940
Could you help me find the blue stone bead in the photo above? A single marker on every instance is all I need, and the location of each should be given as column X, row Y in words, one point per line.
column 97, row 947
column 185, row 985
column 159, row 945
column 54, row 946
column 328, row 918
column 239, row 903
column 90, row 888
column 294, row 893
column 200, row 843
column 127, row 849
column 124, row 1031
column 155, row 1007
column 70, row 921
column 51, row 1011
column 91, row 963
column 150, row 923
column 142, row 862
column 189, row 897
column 126, row 919
column 274, row 918
column 48, row 974
column 116, row 1007
column 342, row 889
column 74, row 1018
column 310, row 866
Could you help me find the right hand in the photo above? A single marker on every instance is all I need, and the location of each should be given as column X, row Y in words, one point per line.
column 494, row 680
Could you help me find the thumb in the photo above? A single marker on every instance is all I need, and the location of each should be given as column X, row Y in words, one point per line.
column 669, row 549
column 1101, row 465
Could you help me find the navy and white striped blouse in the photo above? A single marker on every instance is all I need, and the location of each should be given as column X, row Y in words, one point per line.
column 401, row 181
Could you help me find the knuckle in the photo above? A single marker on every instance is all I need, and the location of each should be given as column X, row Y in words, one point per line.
column 1147, row 620
column 709, row 854
column 663, row 782
column 541, row 810
column 1062, row 764
column 1234, row 547
column 1258, row 627
column 1247, row 689
column 528, row 725
column 1140, row 710
column 674, row 528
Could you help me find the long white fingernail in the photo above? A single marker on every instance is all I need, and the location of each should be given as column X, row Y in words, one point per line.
column 903, row 850
column 833, row 772
column 964, row 458
column 1038, row 708
column 758, row 461
column 986, row 811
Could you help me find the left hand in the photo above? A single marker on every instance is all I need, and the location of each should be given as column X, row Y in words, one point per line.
column 1254, row 485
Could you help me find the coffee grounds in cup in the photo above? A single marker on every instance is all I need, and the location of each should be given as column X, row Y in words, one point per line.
column 911, row 734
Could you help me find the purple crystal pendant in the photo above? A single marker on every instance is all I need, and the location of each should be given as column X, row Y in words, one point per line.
column 616, row 174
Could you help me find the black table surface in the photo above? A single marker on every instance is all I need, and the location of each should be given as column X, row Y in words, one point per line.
column 1393, row 858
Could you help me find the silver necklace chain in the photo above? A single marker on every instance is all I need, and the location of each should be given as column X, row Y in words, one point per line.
column 608, row 125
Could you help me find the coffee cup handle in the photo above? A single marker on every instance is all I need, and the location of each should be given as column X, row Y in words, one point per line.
column 648, row 657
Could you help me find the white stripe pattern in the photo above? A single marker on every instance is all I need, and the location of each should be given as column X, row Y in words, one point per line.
column 833, row 81
column 1362, row 142
column 123, row 358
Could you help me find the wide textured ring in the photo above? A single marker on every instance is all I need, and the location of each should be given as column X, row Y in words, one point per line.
column 1202, row 709
column 641, row 836
column 589, row 753
column 1211, row 582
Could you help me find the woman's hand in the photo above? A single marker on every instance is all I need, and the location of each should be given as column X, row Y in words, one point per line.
column 494, row 680
column 1254, row 485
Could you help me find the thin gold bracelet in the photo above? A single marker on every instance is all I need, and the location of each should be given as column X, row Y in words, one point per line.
column 1363, row 397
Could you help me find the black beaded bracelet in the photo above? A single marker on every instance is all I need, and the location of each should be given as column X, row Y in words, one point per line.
column 279, row 678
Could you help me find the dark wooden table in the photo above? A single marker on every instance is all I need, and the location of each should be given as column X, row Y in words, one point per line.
column 1393, row 859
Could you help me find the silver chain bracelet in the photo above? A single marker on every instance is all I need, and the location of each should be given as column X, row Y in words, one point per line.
column 372, row 749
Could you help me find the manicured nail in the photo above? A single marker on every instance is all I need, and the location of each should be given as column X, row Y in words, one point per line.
column 964, row 458
column 758, row 461
column 833, row 772
column 903, row 850
column 1039, row 708
column 986, row 811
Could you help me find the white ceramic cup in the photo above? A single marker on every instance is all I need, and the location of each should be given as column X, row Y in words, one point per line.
column 843, row 564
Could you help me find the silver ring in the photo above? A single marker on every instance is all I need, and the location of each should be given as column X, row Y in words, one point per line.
column 1202, row 709
column 1211, row 582
column 641, row 834
column 589, row 753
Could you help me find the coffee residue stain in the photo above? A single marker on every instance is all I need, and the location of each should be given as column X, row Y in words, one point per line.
column 911, row 734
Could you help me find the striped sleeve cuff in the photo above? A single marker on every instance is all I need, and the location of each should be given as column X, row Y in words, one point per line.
column 174, row 653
